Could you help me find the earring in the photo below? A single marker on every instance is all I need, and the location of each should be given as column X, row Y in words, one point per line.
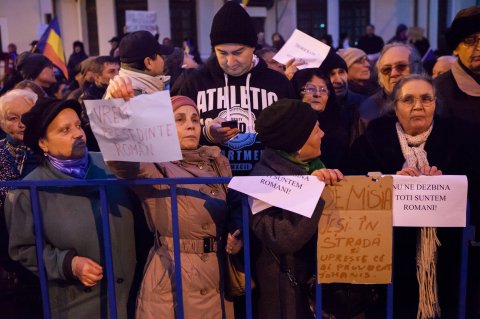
column 45, row 154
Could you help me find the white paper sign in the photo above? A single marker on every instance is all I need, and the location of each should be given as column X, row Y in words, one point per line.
column 140, row 130
column 141, row 20
column 302, row 46
column 299, row 194
column 430, row 201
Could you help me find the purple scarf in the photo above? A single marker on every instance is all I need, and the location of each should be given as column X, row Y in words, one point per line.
column 76, row 168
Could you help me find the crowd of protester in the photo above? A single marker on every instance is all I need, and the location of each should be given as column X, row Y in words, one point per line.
column 368, row 108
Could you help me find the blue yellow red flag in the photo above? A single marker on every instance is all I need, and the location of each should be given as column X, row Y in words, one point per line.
column 51, row 46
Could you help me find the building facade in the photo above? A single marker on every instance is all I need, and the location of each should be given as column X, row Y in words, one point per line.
column 94, row 22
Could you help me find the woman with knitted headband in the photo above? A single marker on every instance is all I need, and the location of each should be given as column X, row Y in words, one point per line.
column 202, row 213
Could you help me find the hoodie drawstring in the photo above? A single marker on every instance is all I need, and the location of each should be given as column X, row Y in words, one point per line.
column 249, row 102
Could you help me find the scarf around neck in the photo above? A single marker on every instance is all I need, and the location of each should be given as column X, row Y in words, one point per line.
column 413, row 147
column 308, row 167
column 76, row 168
column 466, row 83
column 144, row 82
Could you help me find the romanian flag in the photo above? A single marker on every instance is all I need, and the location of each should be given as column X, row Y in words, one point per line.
column 51, row 46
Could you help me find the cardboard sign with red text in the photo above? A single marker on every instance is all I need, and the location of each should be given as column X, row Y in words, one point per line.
column 355, row 232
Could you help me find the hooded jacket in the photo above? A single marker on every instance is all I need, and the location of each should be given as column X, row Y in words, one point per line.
column 207, row 86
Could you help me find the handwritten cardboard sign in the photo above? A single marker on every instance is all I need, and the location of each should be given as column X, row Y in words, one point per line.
column 430, row 201
column 355, row 232
column 302, row 46
column 298, row 194
column 140, row 130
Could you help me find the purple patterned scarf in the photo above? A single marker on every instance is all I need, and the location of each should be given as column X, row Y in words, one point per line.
column 76, row 168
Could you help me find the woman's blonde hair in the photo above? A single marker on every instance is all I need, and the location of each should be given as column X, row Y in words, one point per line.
column 12, row 97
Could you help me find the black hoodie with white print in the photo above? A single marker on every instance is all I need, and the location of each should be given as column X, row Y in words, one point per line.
column 220, row 95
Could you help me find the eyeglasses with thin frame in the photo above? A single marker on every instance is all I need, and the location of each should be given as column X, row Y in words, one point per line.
column 411, row 100
column 400, row 68
column 471, row 41
column 313, row 90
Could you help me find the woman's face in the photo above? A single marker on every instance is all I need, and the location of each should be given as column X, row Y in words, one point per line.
column 13, row 111
column 188, row 127
column 311, row 148
column 64, row 138
column 315, row 93
column 360, row 69
column 415, row 106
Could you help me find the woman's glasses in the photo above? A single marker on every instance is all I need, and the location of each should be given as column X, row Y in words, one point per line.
column 313, row 90
column 400, row 68
column 411, row 100
column 471, row 41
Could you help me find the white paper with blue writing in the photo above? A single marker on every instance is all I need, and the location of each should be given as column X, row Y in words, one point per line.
column 298, row 194
column 302, row 46
column 430, row 201
column 140, row 130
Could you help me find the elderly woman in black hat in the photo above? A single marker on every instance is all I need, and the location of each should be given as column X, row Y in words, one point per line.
column 292, row 136
column 73, row 256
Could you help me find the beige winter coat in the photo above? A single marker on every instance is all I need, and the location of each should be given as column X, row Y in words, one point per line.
column 202, row 213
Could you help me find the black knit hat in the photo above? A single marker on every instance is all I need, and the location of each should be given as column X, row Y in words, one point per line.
column 41, row 115
column 463, row 27
column 286, row 125
column 138, row 45
column 30, row 65
column 232, row 24
column 333, row 61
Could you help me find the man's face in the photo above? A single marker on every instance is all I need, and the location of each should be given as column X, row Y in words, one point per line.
column 47, row 77
column 234, row 59
column 154, row 67
column 339, row 79
column 393, row 66
column 108, row 73
column 468, row 51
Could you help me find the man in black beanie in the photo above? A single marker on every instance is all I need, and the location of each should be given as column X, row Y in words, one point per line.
column 233, row 85
column 37, row 68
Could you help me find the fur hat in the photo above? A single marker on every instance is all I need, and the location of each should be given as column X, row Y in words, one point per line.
column 286, row 125
column 232, row 24
column 465, row 24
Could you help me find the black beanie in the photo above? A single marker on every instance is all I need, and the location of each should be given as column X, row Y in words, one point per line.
column 286, row 125
column 232, row 24
column 333, row 61
column 461, row 28
column 41, row 115
column 30, row 65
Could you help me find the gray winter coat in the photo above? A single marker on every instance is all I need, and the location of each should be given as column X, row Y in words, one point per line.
column 72, row 226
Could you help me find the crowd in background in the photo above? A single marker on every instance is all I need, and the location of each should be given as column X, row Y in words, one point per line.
column 394, row 108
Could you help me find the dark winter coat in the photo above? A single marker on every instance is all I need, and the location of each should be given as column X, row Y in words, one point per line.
column 206, row 86
column 72, row 226
column 292, row 239
column 340, row 122
column 452, row 151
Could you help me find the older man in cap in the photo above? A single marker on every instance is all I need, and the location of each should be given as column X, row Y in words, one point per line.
column 459, row 89
column 233, row 85
column 458, row 92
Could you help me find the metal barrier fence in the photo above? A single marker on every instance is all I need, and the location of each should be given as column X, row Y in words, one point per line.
column 102, row 184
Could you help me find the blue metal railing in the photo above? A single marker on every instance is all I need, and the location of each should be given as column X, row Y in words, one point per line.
column 37, row 185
